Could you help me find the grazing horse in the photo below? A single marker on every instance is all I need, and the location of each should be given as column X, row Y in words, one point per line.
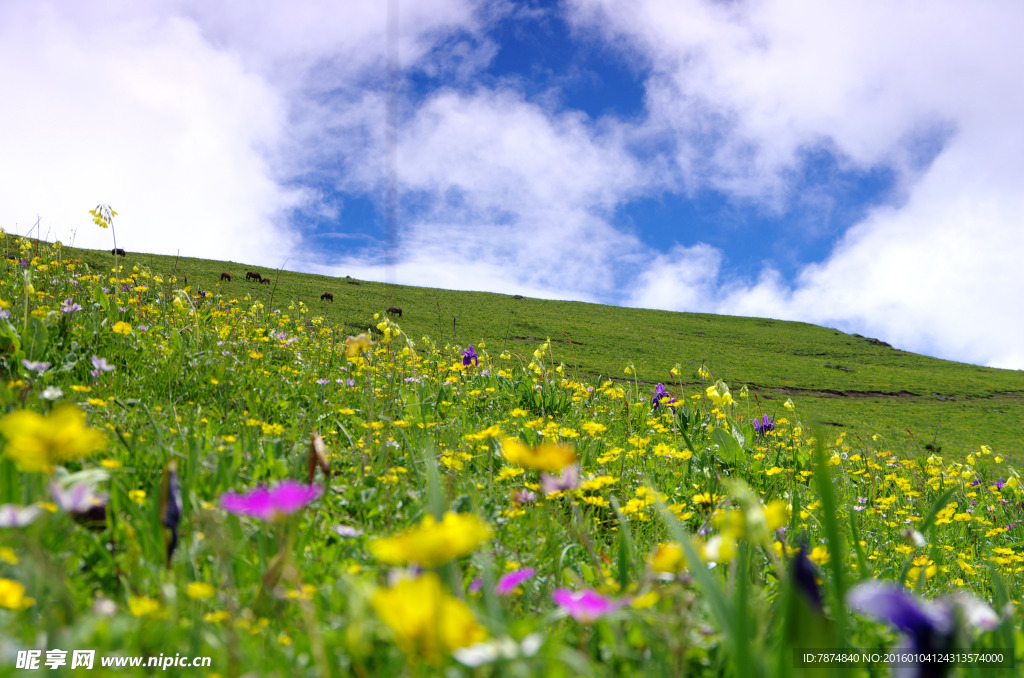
column 328, row 296
column 394, row 310
column 518, row 297
column 119, row 252
column 252, row 275
column 225, row 276
column 264, row 281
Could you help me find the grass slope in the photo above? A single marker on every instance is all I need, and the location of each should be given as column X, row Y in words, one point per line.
column 849, row 382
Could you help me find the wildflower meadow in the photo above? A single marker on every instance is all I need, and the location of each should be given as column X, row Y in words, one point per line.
column 189, row 472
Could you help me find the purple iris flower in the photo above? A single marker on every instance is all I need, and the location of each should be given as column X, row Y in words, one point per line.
column 660, row 394
column 470, row 356
column 508, row 583
column 764, row 424
column 928, row 626
column 70, row 306
column 271, row 503
column 805, row 577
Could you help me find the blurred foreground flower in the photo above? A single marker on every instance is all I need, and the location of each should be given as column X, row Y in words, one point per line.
column 568, row 479
column 357, row 344
column 433, row 543
column 928, row 626
column 12, row 595
column 426, row 621
column 18, row 516
column 271, row 503
column 82, row 502
column 545, row 457
column 584, row 606
column 38, row 443
column 170, row 506
column 317, row 458
column 498, row 648
column 508, row 582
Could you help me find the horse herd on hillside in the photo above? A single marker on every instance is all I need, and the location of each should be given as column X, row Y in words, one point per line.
column 326, row 296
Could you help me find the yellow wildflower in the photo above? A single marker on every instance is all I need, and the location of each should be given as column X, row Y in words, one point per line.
column 668, row 558
column 548, row 457
column 12, row 595
column 199, row 590
column 357, row 344
column 426, row 621
column 141, row 606
column 433, row 543
column 38, row 443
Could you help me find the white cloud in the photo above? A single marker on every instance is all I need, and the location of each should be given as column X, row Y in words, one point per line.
column 139, row 112
column 685, row 278
column 510, row 196
column 743, row 89
column 190, row 119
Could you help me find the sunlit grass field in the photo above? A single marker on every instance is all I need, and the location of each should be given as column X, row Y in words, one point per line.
column 850, row 383
column 484, row 485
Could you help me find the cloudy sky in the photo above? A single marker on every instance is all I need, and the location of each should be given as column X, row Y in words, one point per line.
column 857, row 164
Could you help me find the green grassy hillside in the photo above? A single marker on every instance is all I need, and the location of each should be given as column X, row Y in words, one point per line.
column 852, row 383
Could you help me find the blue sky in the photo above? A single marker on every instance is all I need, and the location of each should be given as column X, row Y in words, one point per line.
column 851, row 164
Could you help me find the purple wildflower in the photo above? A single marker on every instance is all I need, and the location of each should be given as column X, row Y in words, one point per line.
column 170, row 507
column 524, row 496
column 584, row 606
column 35, row 366
column 323, row 382
column 12, row 515
column 100, row 366
column 82, row 502
column 568, row 479
column 764, row 425
column 271, row 503
column 928, row 626
column 805, row 578
column 660, row 394
column 508, row 582
column 70, row 306
column 470, row 356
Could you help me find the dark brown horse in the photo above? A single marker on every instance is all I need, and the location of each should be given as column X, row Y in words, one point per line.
column 225, row 276
column 264, row 281
column 328, row 296
column 252, row 275
column 119, row 252
column 394, row 310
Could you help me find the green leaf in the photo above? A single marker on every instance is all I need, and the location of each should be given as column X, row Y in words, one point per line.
column 34, row 339
column 728, row 448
